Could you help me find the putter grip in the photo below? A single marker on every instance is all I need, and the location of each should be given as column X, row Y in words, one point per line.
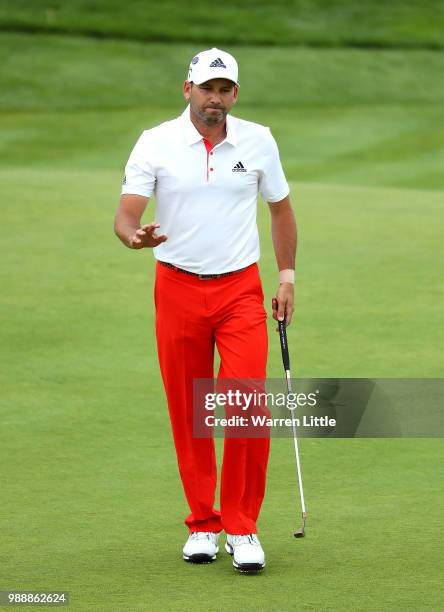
column 284, row 344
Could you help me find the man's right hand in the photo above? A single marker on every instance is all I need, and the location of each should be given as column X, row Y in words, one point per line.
column 146, row 236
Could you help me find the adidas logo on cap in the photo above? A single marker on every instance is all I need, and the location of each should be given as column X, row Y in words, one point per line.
column 218, row 63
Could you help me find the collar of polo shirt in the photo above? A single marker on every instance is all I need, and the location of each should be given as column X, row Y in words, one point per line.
column 193, row 135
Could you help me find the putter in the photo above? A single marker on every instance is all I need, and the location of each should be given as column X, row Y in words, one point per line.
column 286, row 361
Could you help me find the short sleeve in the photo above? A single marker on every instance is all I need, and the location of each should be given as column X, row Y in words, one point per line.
column 273, row 185
column 140, row 178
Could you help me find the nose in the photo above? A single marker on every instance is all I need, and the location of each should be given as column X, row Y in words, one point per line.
column 215, row 98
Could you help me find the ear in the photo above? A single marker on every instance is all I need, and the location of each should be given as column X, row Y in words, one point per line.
column 235, row 92
column 187, row 90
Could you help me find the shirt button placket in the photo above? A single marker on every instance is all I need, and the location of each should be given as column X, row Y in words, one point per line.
column 211, row 164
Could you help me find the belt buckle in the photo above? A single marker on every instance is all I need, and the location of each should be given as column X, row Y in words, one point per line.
column 205, row 277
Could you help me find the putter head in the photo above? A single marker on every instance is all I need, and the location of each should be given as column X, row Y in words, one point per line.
column 300, row 533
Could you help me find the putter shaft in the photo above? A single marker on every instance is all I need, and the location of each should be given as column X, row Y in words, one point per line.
column 286, row 361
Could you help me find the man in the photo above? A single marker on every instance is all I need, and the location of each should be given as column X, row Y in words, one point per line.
column 206, row 169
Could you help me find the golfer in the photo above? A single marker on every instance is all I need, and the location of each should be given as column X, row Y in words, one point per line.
column 206, row 169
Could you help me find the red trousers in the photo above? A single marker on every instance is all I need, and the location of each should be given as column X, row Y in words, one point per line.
column 193, row 315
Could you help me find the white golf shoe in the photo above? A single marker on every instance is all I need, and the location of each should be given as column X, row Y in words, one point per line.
column 247, row 552
column 201, row 547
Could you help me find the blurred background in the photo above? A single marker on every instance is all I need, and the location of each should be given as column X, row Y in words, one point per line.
column 354, row 94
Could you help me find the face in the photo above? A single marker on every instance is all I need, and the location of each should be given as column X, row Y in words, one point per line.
column 211, row 101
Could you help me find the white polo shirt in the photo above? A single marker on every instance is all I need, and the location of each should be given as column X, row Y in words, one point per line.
column 206, row 203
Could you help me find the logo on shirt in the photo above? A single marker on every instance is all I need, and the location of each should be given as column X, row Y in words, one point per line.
column 239, row 167
column 218, row 63
column 124, row 180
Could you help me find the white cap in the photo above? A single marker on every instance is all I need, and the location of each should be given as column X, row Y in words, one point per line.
column 212, row 64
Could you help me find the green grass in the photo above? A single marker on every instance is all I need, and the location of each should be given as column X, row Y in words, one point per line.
column 55, row 73
column 359, row 117
column 95, row 495
column 90, row 488
column 368, row 23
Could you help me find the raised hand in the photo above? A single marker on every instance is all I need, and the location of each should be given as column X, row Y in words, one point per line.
column 146, row 237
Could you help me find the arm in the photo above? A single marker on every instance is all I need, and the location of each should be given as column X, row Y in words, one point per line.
column 127, row 223
column 284, row 235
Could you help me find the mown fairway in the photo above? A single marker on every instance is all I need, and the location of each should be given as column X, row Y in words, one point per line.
column 91, row 500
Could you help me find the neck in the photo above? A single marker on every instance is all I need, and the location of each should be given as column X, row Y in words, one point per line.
column 212, row 133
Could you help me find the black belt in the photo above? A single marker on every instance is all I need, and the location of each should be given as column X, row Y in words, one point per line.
column 199, row 276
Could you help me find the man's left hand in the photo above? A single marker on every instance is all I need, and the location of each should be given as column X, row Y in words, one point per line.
column 282, row 303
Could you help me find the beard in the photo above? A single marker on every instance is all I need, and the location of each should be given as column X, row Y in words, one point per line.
column 212, row 117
